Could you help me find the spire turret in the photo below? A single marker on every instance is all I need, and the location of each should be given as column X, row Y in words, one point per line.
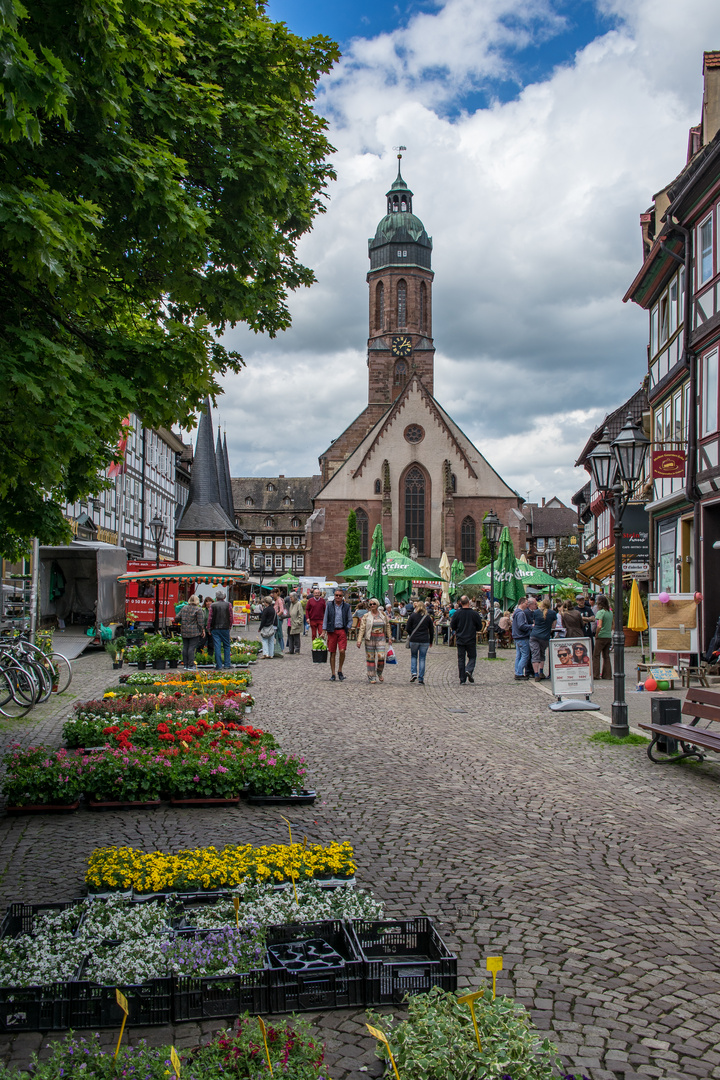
column 204, row 509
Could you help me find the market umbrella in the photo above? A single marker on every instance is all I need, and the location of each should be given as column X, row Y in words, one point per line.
column 528, row 575
column 405, row 546
column 454, row 578
column 216, row 575
column 445, row 576
column 378, row 578
column 571, row 583
column 509, row 587
column 397, row 567
column 636, row 614
column 403, row 586
column 289, row 580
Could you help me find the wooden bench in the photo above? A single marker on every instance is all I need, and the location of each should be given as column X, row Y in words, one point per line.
column 701, row 704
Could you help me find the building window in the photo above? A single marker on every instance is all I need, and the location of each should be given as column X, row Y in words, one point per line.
column 296, row 541
column 363, row 528
column 705, row 243
column 278, row 562
column 414, row 433
column 288, row 562
column 468, row 551
column 299, row 562
column 268, row 523
column 401, row 303
column 249, row 501
column 415, row 509
column 288, row 541
column 400, row 376
column 540, row 542
column 268, row 541
column 296, row 523
column 672, row 301
column 540, row 562
column 258, row 541
column 378, row 487
column 268, row 562
column 379, row 306
column 423, row 306
column 278, row 541
column 666, row 556
column 270, row 487
column 709, row 392
column 287, row 501
column 453, row 485
column 551, row 543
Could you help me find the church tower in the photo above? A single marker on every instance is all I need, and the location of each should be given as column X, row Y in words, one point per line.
column 400, row 342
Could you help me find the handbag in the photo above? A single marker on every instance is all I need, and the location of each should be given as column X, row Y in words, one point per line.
column 268, row 632
column 410, row 636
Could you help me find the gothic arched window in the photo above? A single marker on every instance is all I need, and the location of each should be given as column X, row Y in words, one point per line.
column 415, row 508
column 363, row 529
column 379, row 306
column 403, row 206
column 423, row 306
column 400, row 376
column 401, row 303
column 453, row 485
column 378, row 487
column 468, row 551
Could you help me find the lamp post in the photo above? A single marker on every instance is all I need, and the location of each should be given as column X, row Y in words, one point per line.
column 491, row 525
column 616, row 468
column 157, row 531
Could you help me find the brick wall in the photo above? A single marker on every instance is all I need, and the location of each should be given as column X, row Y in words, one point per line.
column 476, row 507
column 325, row 554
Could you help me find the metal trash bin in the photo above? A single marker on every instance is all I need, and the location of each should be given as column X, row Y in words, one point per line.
column 666, row 711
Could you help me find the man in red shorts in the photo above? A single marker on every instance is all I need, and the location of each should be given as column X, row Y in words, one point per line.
column 336, row 624
column 315, row 612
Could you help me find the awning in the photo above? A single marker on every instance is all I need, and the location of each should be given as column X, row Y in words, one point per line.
column 215, row 575
column 428, row 584
column 600, row 568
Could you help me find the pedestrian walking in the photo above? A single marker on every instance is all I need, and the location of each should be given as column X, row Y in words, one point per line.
column 603, row 640
column 543, row 622
column 192, row 628
column 279, row 605
column 465, row 625
column 374, row 633
column 267, row 628
column 295, row 623
column 315, row 612
column 336, row 626
column 220, row 620
column 420, row 629
column 588, row 615
column 207, row 642
column 573, row 621
column 522, row 623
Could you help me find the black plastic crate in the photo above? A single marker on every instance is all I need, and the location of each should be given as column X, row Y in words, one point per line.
column 95, row 1006
column 20, row 918
column 217, row 996
column 403, row 956
column 325, row 988
column 35, row 1008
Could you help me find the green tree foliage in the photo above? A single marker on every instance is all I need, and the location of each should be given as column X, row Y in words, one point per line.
column 159, row 164
column 568, row 558
column 352, row 542
column 484, row 553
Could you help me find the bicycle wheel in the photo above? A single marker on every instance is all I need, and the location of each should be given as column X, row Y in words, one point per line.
column 63, row 671
column 23, row 682
column 10, row 707
column 43, row 673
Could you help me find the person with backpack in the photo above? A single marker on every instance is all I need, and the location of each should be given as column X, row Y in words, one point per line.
column 420, row 628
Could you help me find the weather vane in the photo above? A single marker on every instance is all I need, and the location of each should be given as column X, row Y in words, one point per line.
column 399, row 148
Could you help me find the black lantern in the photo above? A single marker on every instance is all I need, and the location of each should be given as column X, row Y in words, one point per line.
column 157, row 530
column 603, row 464
column 233, row 555
column 630, row 448
column 491, row 525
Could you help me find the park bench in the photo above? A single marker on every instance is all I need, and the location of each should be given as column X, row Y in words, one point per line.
column 701, row 704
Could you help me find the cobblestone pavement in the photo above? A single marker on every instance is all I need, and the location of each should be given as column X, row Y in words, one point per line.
column 593, row 872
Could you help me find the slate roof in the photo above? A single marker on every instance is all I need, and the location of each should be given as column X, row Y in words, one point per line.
column 203, row 510
column 301, row 489
column 550, row 520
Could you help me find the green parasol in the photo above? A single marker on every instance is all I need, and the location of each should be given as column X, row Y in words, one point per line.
column 289, row 580
column 571, row 583
column 377, row 578
column 405, row 546
column 397, row 567
column 524, row 573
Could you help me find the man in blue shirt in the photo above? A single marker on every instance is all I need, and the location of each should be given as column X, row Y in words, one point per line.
column 336, row 626
column 521, row 627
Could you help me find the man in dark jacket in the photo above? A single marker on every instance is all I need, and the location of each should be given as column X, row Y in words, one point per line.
column 521, row 627
column 465, row 624
column 219, row 621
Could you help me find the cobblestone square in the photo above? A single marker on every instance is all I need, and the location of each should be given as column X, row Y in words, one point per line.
column 593, row 872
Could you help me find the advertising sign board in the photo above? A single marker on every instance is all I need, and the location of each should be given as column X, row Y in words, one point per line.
column 571, row 666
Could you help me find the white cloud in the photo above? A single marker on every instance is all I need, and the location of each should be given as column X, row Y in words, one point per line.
column 533, row 205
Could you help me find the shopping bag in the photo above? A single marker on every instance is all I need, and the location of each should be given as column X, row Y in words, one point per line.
column 390, row 657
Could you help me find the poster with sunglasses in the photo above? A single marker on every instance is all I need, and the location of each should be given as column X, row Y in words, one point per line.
column 571, row 666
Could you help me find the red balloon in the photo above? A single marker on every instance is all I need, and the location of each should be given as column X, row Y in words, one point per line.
column 650, row 684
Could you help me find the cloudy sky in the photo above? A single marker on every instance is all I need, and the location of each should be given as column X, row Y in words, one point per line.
column 537, row 132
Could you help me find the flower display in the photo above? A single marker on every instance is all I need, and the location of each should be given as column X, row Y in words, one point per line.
column 215, row 868
column 163, row 728
column 41, row 776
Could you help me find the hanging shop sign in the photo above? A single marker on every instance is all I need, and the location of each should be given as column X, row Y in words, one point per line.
column 668, row 464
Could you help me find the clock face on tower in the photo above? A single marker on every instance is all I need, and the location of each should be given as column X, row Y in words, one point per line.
column 402, row 345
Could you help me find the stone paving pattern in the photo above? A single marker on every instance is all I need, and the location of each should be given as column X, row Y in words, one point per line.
column 593, row 872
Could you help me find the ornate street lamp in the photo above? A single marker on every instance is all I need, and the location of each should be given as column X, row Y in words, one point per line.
column 616, row 468
column 157, row 531
column 491, row 525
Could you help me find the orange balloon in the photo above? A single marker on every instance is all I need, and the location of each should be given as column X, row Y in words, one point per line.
column 650, row 684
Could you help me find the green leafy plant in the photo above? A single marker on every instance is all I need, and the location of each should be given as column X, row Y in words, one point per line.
column 41, row 776
column 615, row 740
column 319, row 645
column 352, row 542
column 111, row 649
column 437, row 1040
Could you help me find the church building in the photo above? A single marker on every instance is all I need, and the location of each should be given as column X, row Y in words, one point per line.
column 403, row 461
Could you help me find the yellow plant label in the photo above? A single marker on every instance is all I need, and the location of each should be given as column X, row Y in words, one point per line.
column 261, row 1022
column 175, row 1061
column 494, row 964
column 122, row 1002
column 377, row 1034
column 470, row 997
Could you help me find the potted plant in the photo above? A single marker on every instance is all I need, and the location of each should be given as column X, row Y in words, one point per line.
column 42, row 779
column 319, row 651
column 112, row 650
column 174, row 653
column 156, row 653
column 141, row 657
column 120, row 645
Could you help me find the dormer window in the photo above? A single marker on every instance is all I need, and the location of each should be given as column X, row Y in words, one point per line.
column 268, row 523
column 270, row 487
column 249, row 501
